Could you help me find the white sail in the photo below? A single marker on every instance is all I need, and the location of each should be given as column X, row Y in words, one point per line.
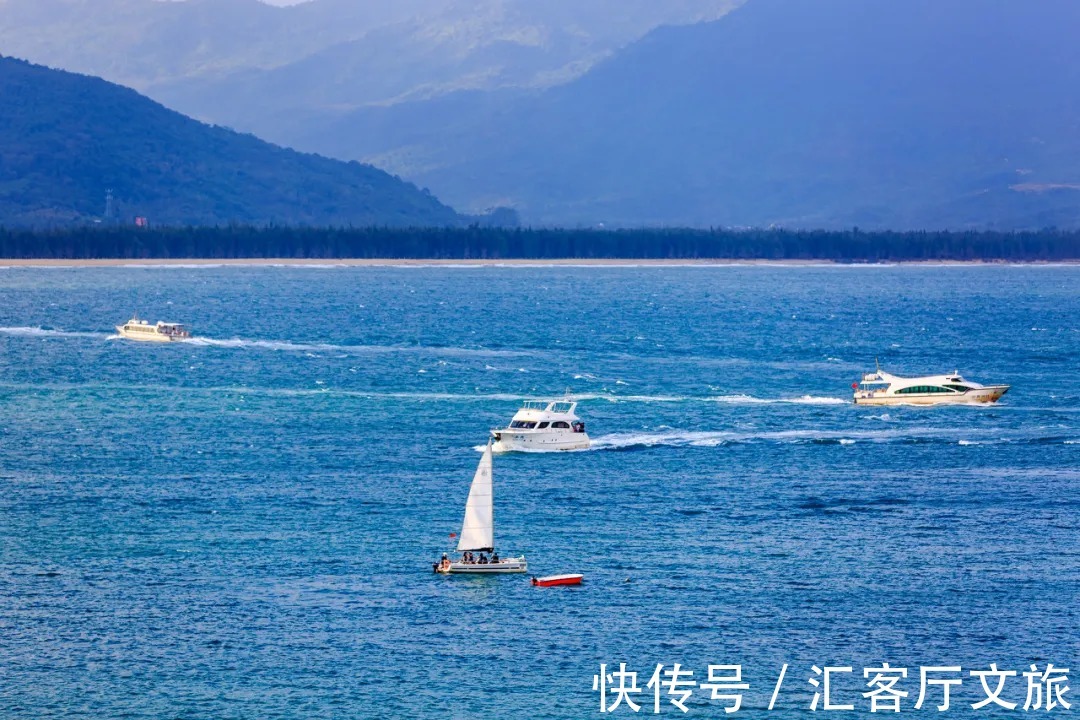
column 478, row 528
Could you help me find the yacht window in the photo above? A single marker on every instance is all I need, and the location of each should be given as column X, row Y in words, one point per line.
column 542, row 425
column 523, row 425
column 562, row 425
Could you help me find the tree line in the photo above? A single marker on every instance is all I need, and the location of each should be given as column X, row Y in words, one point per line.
column 473, row 243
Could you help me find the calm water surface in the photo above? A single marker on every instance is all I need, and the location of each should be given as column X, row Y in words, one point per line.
column 243, row 526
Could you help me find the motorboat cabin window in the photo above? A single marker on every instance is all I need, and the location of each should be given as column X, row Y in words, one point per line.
column 523, row 424
column 542, row 425
column 923, row 390
column 560, row 425
column 958, row 388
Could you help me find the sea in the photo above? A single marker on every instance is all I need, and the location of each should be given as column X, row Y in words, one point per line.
column 244, row 525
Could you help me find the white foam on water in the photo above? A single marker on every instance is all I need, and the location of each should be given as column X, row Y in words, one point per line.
column 751, row 400
column 884, row 417
column 43, row 332
column 683, row 438
column 631, row 398
column 310, row 347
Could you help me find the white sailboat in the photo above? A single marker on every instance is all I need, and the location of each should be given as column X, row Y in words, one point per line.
column 478, row 531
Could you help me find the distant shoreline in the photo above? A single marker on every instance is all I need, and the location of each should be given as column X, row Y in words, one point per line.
column 477, row 246
column 517, row 262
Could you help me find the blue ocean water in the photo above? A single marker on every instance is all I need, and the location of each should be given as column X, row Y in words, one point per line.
column 243, row 526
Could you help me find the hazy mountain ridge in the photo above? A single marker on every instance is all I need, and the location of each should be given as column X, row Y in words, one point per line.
column 267, row 69
column 66, row 139
column 829, row 113
column 832, row 113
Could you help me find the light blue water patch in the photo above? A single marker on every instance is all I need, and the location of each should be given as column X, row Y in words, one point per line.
column 243, row 526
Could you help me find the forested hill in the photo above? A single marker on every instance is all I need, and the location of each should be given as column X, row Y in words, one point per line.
column 474, row 243
column 66, row 140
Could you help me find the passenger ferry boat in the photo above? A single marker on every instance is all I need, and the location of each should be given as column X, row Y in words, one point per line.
column 543, row 426
column 882, row 388
column 136, row 329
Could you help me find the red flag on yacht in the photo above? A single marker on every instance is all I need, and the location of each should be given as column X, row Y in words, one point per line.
column 453, row 535
column 854, row 386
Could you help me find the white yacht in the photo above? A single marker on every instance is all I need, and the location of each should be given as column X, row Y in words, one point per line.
column 882, row 388
column 543, row 426
column 478, row 531
column 136, row 329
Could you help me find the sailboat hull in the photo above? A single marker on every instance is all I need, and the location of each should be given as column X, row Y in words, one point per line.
column 503, row 567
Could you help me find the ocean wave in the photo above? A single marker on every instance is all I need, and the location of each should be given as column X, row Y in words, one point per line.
column 43, row 332
column 724, row 399
column 751, row 400
column 682, row 438
column 314, row 347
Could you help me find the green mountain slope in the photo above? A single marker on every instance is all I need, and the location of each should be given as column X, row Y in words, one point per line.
column 66, row 140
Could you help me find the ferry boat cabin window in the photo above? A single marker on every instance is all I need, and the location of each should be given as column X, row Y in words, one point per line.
column 561, row 425
column 922, row 390
column 959, row 388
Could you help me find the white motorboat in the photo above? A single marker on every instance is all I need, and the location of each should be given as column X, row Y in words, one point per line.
column 542, row 426
column 141, row 330
column 478, row 532
column 882, row 388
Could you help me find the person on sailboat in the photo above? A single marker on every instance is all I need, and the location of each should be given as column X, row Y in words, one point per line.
column 494, row 557
column 445, row 563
